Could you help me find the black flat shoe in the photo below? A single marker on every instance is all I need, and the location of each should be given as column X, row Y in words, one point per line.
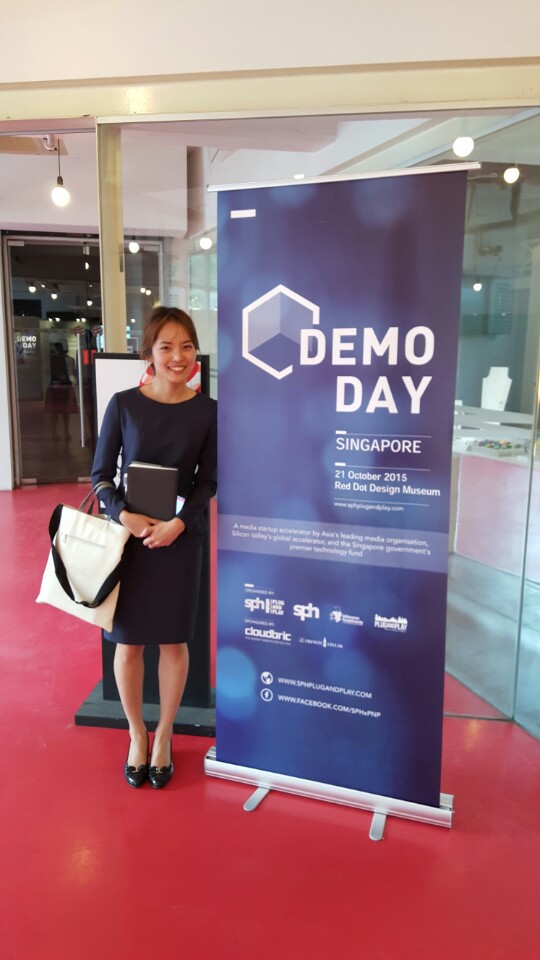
column 160, row 776
column 136, row 776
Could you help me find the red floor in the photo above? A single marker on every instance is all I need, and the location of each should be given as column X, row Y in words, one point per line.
column 93, row 869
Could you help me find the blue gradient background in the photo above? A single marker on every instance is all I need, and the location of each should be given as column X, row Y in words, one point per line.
column 379, row 253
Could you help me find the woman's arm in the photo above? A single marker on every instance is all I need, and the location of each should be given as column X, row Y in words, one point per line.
column 205, row 480
column 105, row 465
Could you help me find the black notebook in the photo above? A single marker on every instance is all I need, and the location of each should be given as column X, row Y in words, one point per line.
column 152, row 490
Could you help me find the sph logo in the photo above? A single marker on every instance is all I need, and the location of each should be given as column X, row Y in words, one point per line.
column 272, row 328
column 306, row 611
column 254, row 603
column 265, row 605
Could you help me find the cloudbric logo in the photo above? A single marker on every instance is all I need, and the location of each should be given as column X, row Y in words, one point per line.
column 272, row 327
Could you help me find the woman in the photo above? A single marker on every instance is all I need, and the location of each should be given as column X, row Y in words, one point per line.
column 167, row 423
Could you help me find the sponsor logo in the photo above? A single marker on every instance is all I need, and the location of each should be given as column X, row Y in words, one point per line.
column 265, row 605
column 337, row 616
column 306, row 611
column 256, row 633
column 396, row 624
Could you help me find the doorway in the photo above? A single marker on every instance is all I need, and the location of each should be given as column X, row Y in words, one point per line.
column 54, row 320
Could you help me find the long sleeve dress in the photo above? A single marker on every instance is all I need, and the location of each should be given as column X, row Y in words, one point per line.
column 159, row 589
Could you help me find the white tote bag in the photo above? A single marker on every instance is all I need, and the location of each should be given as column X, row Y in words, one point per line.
column 82, row 576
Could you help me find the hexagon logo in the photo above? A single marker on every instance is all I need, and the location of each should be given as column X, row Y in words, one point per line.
column 271, row 327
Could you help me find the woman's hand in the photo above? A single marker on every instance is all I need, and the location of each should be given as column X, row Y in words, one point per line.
column 163, row 532
column 153, row 533
column 138, row 524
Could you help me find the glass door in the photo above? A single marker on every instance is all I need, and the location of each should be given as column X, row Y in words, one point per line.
column 55, row 318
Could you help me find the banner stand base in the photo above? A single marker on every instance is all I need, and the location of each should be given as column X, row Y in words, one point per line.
column 382, row 807
column 377, row 826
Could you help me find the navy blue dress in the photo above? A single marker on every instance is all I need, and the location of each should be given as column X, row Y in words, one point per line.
column 159, row 589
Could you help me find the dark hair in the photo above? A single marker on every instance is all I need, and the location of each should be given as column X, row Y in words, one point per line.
column 157, row 319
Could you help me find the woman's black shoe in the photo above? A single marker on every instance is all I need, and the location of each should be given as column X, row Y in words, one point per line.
column 160, row 776
column 136, row 776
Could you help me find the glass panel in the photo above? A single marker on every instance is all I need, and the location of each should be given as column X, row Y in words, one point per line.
column 494, row 417
column 528, row 681
column 143, row 285
column 56, row 322
column 165, row 213
column 167, row 169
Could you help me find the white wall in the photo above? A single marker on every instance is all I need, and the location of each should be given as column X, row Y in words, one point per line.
column 131, row 38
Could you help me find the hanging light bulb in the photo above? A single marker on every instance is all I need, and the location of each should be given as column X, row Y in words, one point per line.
column 54, row 296
column 463, row 146
column 31, row 288
column 89, row 303
column 59, row 195
column 133, row 246
column 477, row 286
column 206, row 243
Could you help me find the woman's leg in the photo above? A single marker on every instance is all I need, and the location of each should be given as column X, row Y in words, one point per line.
column 172, row 674
column 129, row 674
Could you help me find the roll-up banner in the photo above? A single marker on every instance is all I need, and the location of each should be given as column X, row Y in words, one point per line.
column 338, row 325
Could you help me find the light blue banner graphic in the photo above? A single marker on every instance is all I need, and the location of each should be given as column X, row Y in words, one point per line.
column 338, row 324
column 411, row 549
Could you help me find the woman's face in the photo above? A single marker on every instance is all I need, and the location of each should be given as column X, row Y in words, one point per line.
column 173, row 354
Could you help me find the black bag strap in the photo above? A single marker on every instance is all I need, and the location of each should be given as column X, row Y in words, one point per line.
column 108, row 584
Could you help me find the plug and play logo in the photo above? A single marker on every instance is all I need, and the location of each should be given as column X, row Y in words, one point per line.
column 271, row 329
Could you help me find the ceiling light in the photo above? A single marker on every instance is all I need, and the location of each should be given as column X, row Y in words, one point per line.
column 89, row 303
column 86, row 265
column 299, row 176
column 463, row 146
column 57, row 319
column 511, row 174
column 148, row 292
column 31, row 288
column 133, row 246
column 477, row 286
column 206, row 243
column 60, row 196
column 143, row 289
column 54, row 296
column 83, row 319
